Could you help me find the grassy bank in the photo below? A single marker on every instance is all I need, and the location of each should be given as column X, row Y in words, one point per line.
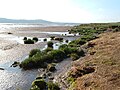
column 99, row 69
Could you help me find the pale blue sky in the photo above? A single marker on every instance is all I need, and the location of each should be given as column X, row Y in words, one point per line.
column 82, row 11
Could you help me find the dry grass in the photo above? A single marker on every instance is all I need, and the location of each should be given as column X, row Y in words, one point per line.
column 106, row 62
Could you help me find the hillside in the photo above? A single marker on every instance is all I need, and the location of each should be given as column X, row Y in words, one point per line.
column 102, row 64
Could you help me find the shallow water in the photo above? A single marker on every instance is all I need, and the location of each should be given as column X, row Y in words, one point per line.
column 15, row 78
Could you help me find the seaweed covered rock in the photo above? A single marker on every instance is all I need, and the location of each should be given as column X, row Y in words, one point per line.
column 39, row 84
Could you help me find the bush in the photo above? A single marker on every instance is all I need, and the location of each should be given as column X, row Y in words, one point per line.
column 44, row 39
column 63, row 46
column 52, row 37
column 25, row 38
column 27, row 63
column 53, row 86
column 58, row 55
column 50, row 44
column 33, row 52
column 35, row 39
column 29, row 41
column 47, row 49
column 40, row 84
column 66, row 41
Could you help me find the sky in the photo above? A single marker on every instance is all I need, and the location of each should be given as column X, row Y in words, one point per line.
column 77, row 11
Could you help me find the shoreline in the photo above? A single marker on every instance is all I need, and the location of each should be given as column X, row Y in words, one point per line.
column 17, row 52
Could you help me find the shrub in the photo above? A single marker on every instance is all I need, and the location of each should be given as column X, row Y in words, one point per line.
column 73, row 45
column 58, row 55
column 50, row 44
column 53, row 86
column 66, row 41
column 27, row 63
column 35, row 39
column 33, row 52
column 29, row 41
column 69, row 50
column 52, row 37
column 44, row 39
column 47, row 58
column 48, row 49
column 63, row 46
column 25, row 38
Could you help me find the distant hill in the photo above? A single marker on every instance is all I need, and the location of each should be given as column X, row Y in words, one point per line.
column 40, row 21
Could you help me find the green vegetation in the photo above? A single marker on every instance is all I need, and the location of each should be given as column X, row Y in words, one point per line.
column 44, row 39
column 39, row 84
column 35, row 39
column 25, row 38
column 66, row 41
column 50, row 44
column 52, row 37
column 33, row 52
column 87, row 32
column 39, row 58
column 29, row 41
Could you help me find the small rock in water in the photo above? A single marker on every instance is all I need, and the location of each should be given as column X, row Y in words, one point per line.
column 2, row 69
column 15, row 64
column 51, row 78
column 39, row 77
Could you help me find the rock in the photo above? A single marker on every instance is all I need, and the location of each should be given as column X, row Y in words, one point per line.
column 91, row 44
column 2, row 69
column 39, row 77
column 51, row 78
column 15, row 64
column 49, row 74
column 9, row 33
column 51, row 67
column 92, row 53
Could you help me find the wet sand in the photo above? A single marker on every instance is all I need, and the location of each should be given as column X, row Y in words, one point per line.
column 10, row 51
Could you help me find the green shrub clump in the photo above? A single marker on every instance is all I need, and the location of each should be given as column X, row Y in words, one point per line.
column 58, row 55
column 39, row 84
column 29, row 41
column 25, row 38
column 44, row 39
column 50, row 44
column 52, row 37
column 33, row 52
column 35, row 39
